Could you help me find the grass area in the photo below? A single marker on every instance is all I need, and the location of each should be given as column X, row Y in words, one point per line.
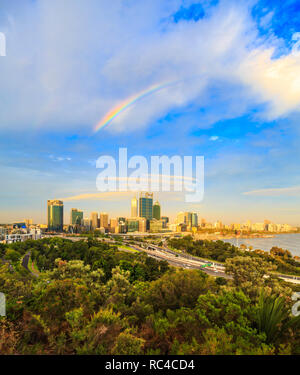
column 124, row 247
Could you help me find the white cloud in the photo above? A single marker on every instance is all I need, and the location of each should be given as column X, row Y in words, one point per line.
column 273, row 192
column 68, row 63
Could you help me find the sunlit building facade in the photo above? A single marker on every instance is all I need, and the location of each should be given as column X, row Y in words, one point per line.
column 55, row 215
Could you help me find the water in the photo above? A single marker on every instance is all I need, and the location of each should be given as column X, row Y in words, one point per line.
column 289, row 242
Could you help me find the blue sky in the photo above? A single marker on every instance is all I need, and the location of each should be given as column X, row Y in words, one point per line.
column 237, row 102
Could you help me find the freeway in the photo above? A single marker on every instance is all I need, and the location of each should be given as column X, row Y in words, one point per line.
column 179, row 261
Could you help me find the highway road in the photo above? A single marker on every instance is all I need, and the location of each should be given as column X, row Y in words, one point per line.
column 178, row 260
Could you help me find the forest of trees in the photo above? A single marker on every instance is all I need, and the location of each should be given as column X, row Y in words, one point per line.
column 90, row 298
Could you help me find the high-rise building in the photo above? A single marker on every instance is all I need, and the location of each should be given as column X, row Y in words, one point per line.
column 55, row 215
column 132, row 225
column 156, row 210
column 180, row 218
column 121, row 228
column 94, row 220
column 218, row 225
column 87, row 223
column 194, row 219
column 134, row 207
column 113, row 225
column 103, row 220
column 156, row 226
column 142, row 225
column 146, row 205
column 76, row 217
column 165, row 221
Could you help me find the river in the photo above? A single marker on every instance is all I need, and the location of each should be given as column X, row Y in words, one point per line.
column 289, row 242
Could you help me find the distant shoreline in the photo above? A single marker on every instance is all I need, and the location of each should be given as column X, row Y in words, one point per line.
column 215, row 237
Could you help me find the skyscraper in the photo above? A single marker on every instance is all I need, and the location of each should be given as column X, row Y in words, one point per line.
column 103, row 220
column 55, row 215
column 165, row 221
column 194, row 219
column 186, row 218
column 180, row 219
column 146, row 205
column 132, row 225
column 134, row 207
column 156, row 210
column 76, row 217
column 94, row 220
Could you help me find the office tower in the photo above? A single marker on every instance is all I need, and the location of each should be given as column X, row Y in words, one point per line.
column 132, row 225
column 194, row 219
column 156, row 226
column 55, row 215
column 188, row 219
column 142, row 225
column 94, row 220
column 156, row 210
column 76, row 217
column 180, row 219
column 185, row 218
column 121, row 228
column 113, row 225
column 165, row 221
column 134, row 207
column 218, row 225
column 103, row 220
column 146, row 205
column 87, row 223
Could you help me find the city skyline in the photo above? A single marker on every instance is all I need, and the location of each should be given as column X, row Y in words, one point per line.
column 87, row 214
column 98, row 219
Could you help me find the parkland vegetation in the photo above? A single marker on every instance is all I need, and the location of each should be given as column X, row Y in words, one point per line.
column 90, row 298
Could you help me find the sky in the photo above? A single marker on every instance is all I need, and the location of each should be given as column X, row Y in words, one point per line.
column 232, row 70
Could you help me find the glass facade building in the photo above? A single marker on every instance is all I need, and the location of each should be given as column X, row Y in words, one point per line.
column 55, row 215
column 134, row 207
column 156, row 210
column 132, row 225
column 76, row 217
column 146, row 206
column 194, row 219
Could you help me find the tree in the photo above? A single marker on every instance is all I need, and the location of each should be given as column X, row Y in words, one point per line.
column 128, row 344
column 178, row 289
column 274, row 317
column 248, row 273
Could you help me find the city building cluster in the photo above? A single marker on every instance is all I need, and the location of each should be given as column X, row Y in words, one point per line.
column 145, row 217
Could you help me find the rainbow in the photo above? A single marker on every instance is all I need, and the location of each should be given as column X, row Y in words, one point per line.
column 108, row 118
